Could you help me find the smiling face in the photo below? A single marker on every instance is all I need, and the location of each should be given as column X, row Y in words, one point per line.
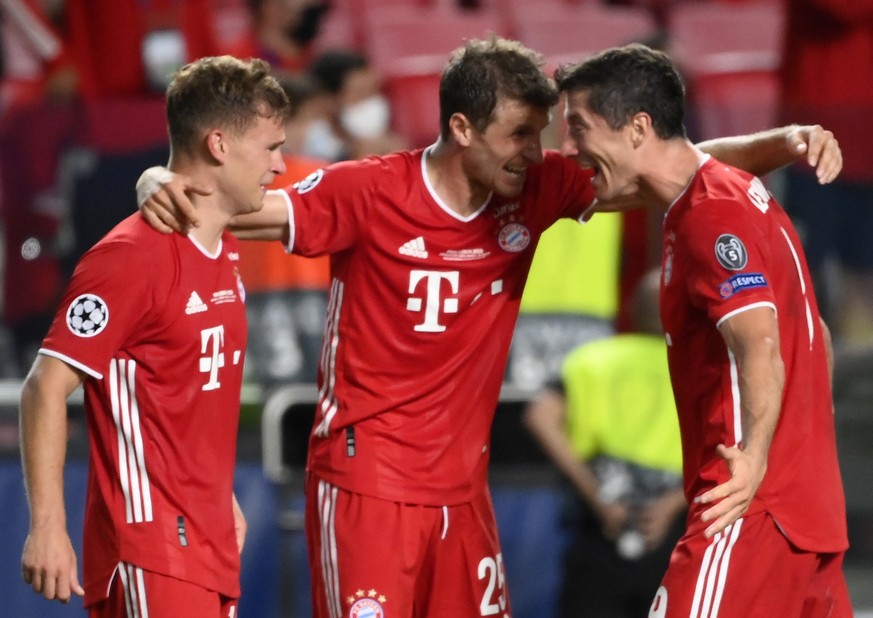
column 253, row 160
column 612, row 153
column 497, row 158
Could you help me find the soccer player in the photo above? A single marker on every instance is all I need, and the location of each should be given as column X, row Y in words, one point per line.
column 750, row 358
column 429, row 253
column 154, row 327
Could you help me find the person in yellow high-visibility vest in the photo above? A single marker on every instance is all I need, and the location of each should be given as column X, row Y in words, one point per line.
column 610, row 427
column 571, row 297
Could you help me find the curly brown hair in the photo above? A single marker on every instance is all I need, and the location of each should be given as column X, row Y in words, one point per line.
column 221, row 91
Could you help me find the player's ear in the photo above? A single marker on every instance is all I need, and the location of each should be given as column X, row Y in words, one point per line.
column 216, row 144
column 640, row 127
column 461, row 129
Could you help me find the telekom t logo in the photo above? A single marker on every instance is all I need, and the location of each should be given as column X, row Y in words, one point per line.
column 211, row 344
column 433, row 301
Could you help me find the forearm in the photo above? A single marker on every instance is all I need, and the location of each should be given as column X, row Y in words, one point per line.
column 544, row 419
column 43, row 427
column 761, row 380
column 675, row 501
column 269, row 223
column 829, row 349
column 758, row 153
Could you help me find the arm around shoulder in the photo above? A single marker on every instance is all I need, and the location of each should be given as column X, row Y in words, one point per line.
column 271, row 222
column 763, row 152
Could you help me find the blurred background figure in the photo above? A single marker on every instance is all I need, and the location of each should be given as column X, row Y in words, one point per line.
column 125, row 48
column 32, row 55
column 558, row 313
column 286, row 295
column 610, row 427
column 37, row 121
column 77, row 71
column 826, row 78
column 357, row 115
column 282, row 33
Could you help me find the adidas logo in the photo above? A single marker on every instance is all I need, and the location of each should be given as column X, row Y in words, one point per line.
column 414, row 248
column 195, row 305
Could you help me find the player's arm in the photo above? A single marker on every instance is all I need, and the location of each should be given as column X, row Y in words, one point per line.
column 240, row 527
column 48, row 562
column 545, row 418
column 656, row 518
column 829, row 349
column 761, row 153
column 752, row 337
column 164, row 203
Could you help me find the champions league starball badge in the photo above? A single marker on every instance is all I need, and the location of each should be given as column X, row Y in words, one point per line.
column 87, row 315
column 309, row 183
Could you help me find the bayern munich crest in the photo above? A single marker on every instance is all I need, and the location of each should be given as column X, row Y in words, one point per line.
column 514, row 237
column 87, row 315
column 366, row 608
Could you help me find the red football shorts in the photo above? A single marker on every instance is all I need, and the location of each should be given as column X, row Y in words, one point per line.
column 372, row 558
column 135, row 593
column 751, row 570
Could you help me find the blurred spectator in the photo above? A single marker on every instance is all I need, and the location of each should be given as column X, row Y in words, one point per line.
column 558, row 313
column 357, row 114
column 282, row 32
column 286, row 294
column 826, row 78
column 610, row 426
column 33, row 54
column 37, row 121
column 124, row 48
column 266, row 266
column 85, row 51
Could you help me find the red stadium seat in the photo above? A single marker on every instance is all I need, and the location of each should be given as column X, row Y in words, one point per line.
column 415, row 105
column 730, row 56
column 566, row 32
column 339, row 30
column 419, row 39
column 409, row 47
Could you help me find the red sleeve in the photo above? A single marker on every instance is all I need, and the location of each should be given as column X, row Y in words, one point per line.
column 111, row 296
column 329, row 207
column 726, row 251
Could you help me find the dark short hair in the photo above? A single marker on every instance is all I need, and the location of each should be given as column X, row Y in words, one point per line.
column 483, row 71
column 221, row 91
column 332, row 67
column 624, row 81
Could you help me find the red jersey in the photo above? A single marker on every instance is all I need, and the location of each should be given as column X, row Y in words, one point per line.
column 422, row 307
column 159, row 325
column 729, row 247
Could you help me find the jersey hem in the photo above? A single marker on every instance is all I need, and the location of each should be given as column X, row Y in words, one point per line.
column 399, row 494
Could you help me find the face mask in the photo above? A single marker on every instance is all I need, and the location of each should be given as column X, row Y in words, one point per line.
column 321, row 142
column 367, row 118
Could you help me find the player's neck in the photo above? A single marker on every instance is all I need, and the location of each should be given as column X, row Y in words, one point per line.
column 211, row 216
column 672, row 166
column 212, row 225
column 445, row 172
